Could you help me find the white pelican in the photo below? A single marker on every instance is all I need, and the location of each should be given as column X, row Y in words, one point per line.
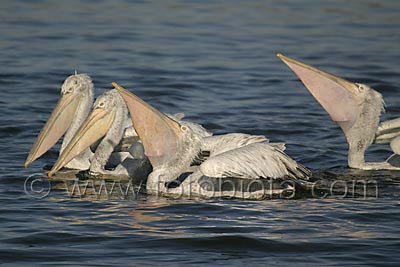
column 172, row 146
column 356, row 108
column 71, row 111
column 107, row 122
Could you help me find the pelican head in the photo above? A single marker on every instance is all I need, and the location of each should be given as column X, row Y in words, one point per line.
column 170, row 145
column 107, row 109
column 355, row 107
column 76, row 92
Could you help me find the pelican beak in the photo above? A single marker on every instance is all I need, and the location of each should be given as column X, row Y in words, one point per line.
column 159, row 134
column 58, row 123
column 339, row 97
column 95, row 127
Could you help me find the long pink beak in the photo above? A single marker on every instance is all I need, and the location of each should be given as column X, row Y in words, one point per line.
column 58, row 123
column 159, row 133
column 339, row 97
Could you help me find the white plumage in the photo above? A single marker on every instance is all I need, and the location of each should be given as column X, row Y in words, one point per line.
column 253, row 161
column 106, row 123
column 240, row 156
column 73, row 106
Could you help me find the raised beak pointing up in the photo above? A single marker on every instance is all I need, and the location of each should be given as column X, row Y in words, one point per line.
column 339, row 97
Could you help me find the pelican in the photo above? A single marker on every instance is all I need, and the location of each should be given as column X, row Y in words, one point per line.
column 356, row 108
column 107, row 119
column 107, row 122
column 71, row 111
column 172, row 147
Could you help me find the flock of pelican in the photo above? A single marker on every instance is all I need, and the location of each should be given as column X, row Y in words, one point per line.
column 122, row 135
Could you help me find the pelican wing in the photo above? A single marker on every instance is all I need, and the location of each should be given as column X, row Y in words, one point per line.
column 387, row 131
column 256, row 160
column 218, row 144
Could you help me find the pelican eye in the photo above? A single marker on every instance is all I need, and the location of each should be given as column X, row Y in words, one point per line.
column 183, row 128
column 360, row 87
column 101, row 105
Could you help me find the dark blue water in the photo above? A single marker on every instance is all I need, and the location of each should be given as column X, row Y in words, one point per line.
column 215, row 61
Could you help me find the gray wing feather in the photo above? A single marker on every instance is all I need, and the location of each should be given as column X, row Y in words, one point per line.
column 254, row 161
column 222, row 143
column 387, row 131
